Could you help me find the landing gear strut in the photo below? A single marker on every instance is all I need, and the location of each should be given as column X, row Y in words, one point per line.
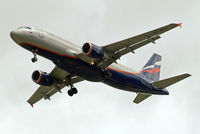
column 72, row 89
column 34, row 59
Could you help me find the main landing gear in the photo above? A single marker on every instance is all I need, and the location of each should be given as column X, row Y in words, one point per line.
column 34, row 59
column 72, row 90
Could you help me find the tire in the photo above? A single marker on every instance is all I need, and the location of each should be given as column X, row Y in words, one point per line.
column 74, row 90
column 70, row 92
column 33, row 60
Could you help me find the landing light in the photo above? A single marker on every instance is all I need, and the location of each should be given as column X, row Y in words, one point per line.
column 92, row 63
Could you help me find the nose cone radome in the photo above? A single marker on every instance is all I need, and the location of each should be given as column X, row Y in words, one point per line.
column 16, row 35
column 13, row 34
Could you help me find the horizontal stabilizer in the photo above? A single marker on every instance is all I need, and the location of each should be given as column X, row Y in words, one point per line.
column 169, row 81
column 140, row 97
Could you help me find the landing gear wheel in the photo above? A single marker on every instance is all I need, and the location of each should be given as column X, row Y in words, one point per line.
column 70, row 92
column 34, row 60
column 74, row 90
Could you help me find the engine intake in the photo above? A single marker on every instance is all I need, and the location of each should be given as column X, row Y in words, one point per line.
column 42, row 78
column 92, row 50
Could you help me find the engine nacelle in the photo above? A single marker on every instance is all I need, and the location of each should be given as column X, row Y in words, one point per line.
column 92, row 50
column 42, row 78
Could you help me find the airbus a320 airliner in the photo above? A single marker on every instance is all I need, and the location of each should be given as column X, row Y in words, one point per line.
column 93, row 63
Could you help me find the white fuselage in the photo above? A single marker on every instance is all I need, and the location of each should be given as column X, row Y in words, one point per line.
column 53, row 43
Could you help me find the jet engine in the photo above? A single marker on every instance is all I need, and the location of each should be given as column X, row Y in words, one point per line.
column 92, row 50
column 42, row 78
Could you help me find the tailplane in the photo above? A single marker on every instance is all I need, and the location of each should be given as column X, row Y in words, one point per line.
column 151, row 69
column 169, row 81
column 161, row 84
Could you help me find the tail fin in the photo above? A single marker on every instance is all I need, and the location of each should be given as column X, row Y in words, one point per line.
column 167, row 82
column 151, row 70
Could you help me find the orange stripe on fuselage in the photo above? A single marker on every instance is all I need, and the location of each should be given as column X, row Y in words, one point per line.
column 149, row 71
column 48, row 50
column 152, row 71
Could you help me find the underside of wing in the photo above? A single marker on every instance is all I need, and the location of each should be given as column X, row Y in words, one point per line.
column 60, row 82
column 140, row 97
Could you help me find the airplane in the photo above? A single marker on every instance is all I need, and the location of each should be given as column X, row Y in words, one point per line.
column 94, row 63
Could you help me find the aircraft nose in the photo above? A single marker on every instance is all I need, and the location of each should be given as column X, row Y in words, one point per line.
column 13, row 34
column 16, row 35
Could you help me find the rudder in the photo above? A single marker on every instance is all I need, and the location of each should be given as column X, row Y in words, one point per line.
column 151, row 69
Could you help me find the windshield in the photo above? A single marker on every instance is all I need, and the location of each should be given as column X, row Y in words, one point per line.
column 24, row 27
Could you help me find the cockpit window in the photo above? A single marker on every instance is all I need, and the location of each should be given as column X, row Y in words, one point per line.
column 29, row 28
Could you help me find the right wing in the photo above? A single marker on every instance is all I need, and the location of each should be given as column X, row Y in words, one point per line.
column 60, row 82
column 140, row 97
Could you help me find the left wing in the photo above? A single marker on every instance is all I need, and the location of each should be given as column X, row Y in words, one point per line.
column 115, row 50
column 118, row 49
column 60, row 82
column 140, row 97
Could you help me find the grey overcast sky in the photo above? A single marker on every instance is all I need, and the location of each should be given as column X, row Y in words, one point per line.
column 98, row 108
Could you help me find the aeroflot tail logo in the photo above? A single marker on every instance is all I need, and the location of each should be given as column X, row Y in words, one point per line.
column 152, row 68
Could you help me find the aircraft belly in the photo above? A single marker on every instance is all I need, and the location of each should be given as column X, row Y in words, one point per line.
column 123, row 81
column 127, row 82
column 81, row 69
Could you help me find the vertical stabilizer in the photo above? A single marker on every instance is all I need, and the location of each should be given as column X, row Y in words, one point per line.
column 151, row 70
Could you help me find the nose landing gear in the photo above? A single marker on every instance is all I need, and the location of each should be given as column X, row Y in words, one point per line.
column 34, row 59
